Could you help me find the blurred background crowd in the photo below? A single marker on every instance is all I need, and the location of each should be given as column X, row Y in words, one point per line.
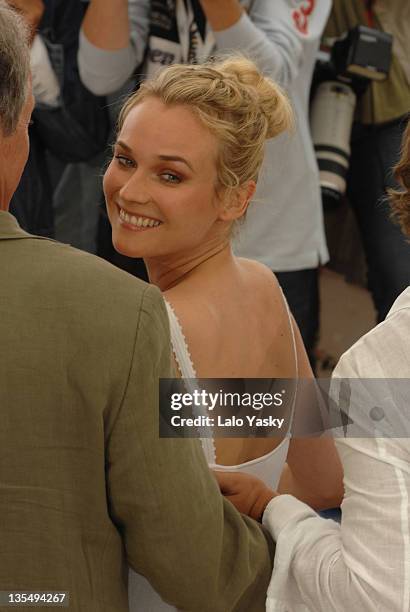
column 320, row 203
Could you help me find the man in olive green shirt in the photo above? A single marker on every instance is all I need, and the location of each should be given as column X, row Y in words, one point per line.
column 86, row 485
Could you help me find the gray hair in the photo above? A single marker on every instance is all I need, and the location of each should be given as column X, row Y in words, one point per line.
column 14, row 67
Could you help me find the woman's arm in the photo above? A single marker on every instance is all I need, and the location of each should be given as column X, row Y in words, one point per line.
column 113, row 39
column 221, row 15
column 313, row 472
column 106, row 24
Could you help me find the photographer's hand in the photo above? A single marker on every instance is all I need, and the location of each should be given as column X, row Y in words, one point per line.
column 247, row 493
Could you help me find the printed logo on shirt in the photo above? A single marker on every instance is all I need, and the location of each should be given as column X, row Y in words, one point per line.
column 161, row 53
column 301, row 15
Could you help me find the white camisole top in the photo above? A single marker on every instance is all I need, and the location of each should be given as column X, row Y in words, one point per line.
column 268, row 467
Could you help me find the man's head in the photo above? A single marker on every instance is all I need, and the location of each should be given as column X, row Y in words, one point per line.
column 16, row 101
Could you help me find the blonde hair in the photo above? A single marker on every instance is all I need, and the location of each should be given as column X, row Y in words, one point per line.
column 400, row 199
column 240, row 106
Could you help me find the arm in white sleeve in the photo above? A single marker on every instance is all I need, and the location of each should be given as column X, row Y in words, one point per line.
column 105, row 71
column 363, row 564
column 46, row 88
column 272, row 35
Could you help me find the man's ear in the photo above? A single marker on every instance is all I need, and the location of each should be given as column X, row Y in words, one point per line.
column 236, row 201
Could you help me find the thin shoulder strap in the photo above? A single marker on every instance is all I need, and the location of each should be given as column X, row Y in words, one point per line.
column 295, row 350
column 188, row 373
column 179, row 345
column 295, row 354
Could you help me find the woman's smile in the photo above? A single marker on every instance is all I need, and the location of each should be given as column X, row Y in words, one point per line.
column 135, row 222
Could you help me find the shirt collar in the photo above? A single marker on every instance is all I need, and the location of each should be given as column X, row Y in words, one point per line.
column 9, row 227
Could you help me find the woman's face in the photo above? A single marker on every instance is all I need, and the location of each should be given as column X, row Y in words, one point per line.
column 160, row 186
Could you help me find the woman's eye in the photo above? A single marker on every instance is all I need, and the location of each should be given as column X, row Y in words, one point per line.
column 124, row 161
column 170, row 177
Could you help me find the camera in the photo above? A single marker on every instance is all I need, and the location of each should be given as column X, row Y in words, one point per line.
column 359, row 57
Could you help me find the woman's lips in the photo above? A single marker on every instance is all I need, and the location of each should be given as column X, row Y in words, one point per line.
column 136, row 222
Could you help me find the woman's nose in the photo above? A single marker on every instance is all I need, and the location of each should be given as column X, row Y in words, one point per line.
column 135, row 190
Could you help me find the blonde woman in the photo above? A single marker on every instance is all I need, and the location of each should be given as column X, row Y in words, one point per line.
column 185, row 166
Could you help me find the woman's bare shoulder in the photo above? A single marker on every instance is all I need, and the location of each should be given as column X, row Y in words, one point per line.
column 189, row 306
column 262, row 277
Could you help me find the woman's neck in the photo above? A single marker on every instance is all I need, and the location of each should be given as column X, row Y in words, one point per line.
column 169, row 272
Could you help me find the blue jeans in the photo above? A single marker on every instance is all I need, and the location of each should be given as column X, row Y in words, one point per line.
column 375, row 150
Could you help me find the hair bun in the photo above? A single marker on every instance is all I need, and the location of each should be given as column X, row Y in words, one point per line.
column 267, row 97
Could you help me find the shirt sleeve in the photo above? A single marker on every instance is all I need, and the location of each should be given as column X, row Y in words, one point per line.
column 362, row 564
column 46, row 89
column 104, row 72
column 197, row 551
column 274, row 34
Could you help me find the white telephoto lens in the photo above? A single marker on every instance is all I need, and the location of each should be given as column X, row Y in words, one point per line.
column 331, row 125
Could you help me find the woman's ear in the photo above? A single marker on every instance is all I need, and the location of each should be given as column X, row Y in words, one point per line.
column 235, row 202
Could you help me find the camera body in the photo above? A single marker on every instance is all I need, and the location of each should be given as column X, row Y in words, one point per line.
column 361, row 56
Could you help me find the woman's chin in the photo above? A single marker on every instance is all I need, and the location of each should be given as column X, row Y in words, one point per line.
column 126, row 249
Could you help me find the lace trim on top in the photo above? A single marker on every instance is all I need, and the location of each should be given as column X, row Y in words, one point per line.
column 188, row 373
column 180, row 345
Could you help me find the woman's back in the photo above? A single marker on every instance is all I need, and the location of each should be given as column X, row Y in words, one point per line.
column 235, row 321
column 236, row 325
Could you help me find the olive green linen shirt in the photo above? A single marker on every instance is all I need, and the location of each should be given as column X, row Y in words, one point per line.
column 86, row 485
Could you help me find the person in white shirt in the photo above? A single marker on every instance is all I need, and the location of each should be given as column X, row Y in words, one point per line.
column 284, row 229
column 363, row 563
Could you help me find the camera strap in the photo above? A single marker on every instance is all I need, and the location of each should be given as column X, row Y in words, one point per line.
column 370, row 13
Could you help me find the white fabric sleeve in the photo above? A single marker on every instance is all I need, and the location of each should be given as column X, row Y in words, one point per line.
column 270, row 36
column 105, row 71
column 46, row 88
column 363, row 564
